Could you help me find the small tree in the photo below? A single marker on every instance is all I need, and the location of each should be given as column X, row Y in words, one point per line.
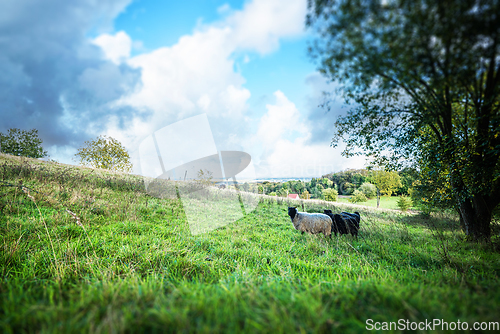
column 104, row 152
column 330, row 194
column 386, row 183
column 22, row 143
column 358, row 196
column 205, row 177
column 260, row 189
column 306, row 195
column 404, row 203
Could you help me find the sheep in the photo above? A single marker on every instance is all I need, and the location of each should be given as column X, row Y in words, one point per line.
column 311, row 222
column 338, row 224
column 352, row 222
column 354, row 215
column 344, row 223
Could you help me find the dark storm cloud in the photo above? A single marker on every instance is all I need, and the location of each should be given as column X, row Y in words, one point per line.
column 322, row 120
column 51, row 77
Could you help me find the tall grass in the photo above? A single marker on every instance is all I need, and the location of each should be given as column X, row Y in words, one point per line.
column 91, row 251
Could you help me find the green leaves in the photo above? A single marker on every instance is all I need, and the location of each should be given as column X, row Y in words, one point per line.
column 386, row 182
column 358, row 196
column 330, row 194
column 423, row 80
column 106, row 153
column 22, row 143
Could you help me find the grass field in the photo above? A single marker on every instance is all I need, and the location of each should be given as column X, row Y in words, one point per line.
column 121, row 261
column 386, row 202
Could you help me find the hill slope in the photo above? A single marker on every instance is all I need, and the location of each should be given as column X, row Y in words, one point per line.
column 86, row 250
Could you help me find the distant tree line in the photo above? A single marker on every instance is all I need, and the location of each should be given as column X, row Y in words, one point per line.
column 360, row 184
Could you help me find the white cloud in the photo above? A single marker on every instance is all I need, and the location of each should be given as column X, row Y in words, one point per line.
column 262, row 23
column 224, row 9
column 197, row 75
column 287, row 155
column 281, row 118
column 116, row 47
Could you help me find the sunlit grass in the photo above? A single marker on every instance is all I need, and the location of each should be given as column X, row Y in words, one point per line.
column 386, row 202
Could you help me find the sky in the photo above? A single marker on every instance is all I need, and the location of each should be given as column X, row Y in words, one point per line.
column 78, row 69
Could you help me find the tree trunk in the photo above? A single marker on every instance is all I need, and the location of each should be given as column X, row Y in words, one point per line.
column 475, row 215
column 378, row 198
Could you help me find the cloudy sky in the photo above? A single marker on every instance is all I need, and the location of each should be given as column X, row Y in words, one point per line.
column 82, row 68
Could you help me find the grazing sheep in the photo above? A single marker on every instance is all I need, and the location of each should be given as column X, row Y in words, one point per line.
column 352, row 222
column 354, row 215
column 311, row 222
column 338, row 224
column 344, row 223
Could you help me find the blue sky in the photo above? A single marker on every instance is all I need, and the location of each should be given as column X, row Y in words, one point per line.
column 79, row 69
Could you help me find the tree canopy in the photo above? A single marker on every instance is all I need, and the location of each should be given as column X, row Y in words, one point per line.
column 104, row 152
column 22, row 143
column 385, row 182
column 423, row 81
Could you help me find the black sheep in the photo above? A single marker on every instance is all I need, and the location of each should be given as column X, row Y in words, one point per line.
column 344, row 223
column 338, row 224
column 352, row 222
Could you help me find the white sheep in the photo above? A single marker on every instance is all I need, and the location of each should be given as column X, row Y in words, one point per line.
column 311, row 222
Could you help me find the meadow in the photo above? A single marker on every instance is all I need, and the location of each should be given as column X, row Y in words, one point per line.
column 386, row 202
column 86, row 250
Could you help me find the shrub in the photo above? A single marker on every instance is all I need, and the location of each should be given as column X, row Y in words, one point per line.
column 358, row 196
column 404, row 203
column 330, row 195
column 368, row 189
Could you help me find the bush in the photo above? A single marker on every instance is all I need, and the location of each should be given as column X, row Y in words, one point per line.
column 358, row 196
column 404, row 203
column 368, row 189
column 273, row 194
column 330, row 195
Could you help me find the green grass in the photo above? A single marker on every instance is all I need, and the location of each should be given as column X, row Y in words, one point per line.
column 133, row 266
column 386, row 202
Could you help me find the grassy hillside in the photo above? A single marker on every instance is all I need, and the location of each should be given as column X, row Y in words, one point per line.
column 123, row 261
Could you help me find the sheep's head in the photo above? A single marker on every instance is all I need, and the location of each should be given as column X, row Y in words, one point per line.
column 327, row 212
column 292, row 211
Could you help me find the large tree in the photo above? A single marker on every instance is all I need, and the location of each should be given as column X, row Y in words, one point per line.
column 104, row 152
column 423, row 80
column 22, row 143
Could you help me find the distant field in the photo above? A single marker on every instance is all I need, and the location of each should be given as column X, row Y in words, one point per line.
column 386, row 202
column 129, row 263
